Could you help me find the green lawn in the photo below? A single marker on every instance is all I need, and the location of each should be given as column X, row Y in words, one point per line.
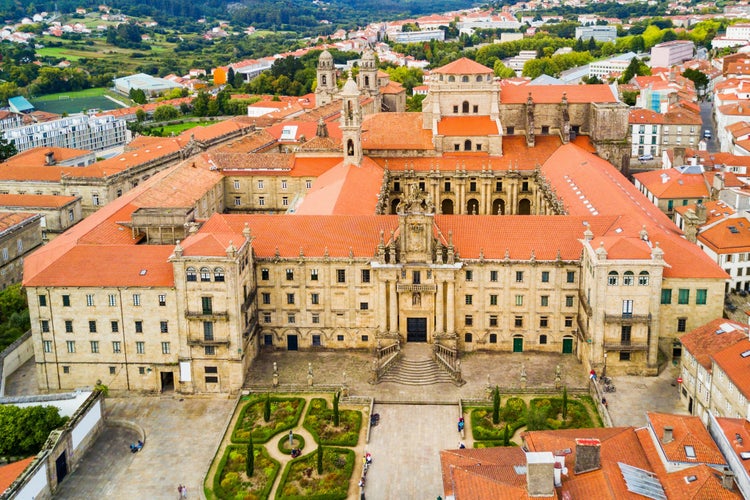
column 168, row 130
column 61, row 52
column 72, row 95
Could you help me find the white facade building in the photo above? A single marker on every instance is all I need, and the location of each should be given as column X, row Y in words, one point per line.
column 77, row 132
column 667, row 54
column 598, row 33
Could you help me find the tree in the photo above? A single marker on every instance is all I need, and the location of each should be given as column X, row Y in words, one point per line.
column 164, row 113
column 200, row 104
column 565, row 403
column 138, row 96
column 140, row 115
column 23, row 431
column 336, row 419
column 698, row 77
column 496, row 406
column 320, row 460
column 7, row 149
column 629, row 97
column 267, row 409
column 506, row 435
column 635, row 68
column 502, row 71
column 250, row 462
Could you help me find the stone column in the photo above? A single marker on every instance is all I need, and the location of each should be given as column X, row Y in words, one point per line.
column 450, row 326
column 383, row 312
column 439, row 308
column 393, row 298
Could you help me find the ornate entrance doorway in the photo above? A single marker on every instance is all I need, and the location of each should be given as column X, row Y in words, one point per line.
column 416, row 329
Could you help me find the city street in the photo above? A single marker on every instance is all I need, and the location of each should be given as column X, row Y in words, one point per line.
column 707, row 108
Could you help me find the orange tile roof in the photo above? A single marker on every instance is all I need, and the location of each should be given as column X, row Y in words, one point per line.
column 723, row 240
column 168, row 192
column 736, row 367
column 463, row 66
column 467, row 126
column 11, row 219
column 733, row 427
column 345, row 190
column 715, row 210
column 392, row 88
column 37, row 157
column 490, row 469
column 687, row 430
column 711, row 338
column 671, row 184
column 547, row 94
column 643, row 116
column 10, row 472
column 395, row 131
column 35, row 200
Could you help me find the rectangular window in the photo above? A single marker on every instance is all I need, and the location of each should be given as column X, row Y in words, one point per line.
column 47, row 346
column 236, row 184
column 545, row 300
column 493, row 276
column 89, row 300
column 260, row 184
column 570, row 277
column 136, row 299
column 308, row 184
column 115, row 326
column 71, row 345
column 518, row 321
column 625, row 332
column 543, row 322
column 112, row 300
column 66, row 300
column 627, row 307
column 447, row 186
column 92, row 326
column 68, row 326
column 164, row 326
column 364, row 306
column 266, row 317
column 291, row 319
column 365, row 275
column 416, row 277
column 315, row 298
column 681, row 324
column 468, row 320
column 45, row 325
column 261, row 201
column 519, row 300
column 66, row 369
column 209, row 350
column 237, row 201
column 283, row 184
column 290, row 274
column 700, row 296
column 545, row 276
column 683, row 296
column 624, row 355
column 207, row 305
column 316, row 318
column 42, row 300
column 493, row 320
column 285, row 201
column 469, row 275
column 519, row 276
column 208, row 331
column 290, row 298
column 493, row 300
column 162, row 300
column 316, row 340
column 265, row 297
column 116, row 346
column 569, row 300
column 140, row 347
column 313, row 275
column 212, row 379
column 568, row 321
column 340, row 275
column 139, row 327
column 468, row 299
column 666, row 296
column 264, row 274
column 94, row 346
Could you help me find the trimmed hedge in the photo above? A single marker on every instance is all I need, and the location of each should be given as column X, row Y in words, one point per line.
column 512, row 414
column 338, row 464
column 227, row 480
column 285, row 414
column 492, row 444
column 319, row 421
column 284, row 440
column 551, row 408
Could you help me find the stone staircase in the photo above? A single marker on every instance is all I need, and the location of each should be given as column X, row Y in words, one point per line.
column 416, row 367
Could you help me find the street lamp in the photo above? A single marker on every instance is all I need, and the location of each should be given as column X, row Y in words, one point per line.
column 604, row 370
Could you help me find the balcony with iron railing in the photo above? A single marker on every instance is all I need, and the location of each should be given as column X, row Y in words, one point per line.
column 627, row 318
column 196, row 340
column 207, row 315
column 625, row 345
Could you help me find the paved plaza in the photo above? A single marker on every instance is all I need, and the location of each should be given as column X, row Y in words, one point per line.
column 184, row 433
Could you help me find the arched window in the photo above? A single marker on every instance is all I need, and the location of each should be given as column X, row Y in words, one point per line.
column 542, row 340
column 613, row 279
column 467, row 145
column 323, row 79
column 465, row 79
column 205, row 274
column 191, row 275
column 493, row 338
column 367, row 81
column 628, row 278
column 468, row 338
column 465, row 107
column 451, row 78
column 218, row 274
column 479, row 78
column 524, row 207
column 643, row 278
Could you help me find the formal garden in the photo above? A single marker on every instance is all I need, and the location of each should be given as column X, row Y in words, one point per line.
column 498, row 424
column 271, row 448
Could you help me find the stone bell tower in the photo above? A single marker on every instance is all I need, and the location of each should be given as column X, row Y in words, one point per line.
column 351, row 124
column 326, row 88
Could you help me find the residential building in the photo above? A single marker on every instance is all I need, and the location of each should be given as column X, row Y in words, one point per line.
column 653, row 132
column 77, row 132
column 417, row 36
column 667, row 54
column 732, row 435
column 58, row 212
column 598, row 33
column 667, row 189
column 604, row 68
column 20, row 234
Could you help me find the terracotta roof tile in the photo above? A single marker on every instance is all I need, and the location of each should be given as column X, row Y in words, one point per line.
column 736, row 367
column 395, row 131
column 642, row 116
column 732, row 428
column 35, row 200
column 10, row 219
column 731, row 235
column 344, row 190
column 37, row 157
column 467, row 126
column 463, row 66
column 687, row 430
column 671, row 184
column 711, row 338
column 554, row 94
column 11, row 472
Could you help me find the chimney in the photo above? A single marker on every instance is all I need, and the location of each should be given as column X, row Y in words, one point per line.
column 666, row 437
column 700, row 212
column 588, row 455
column 727, row 478
column 679, row 157
column 49, row 158
column 540, row 467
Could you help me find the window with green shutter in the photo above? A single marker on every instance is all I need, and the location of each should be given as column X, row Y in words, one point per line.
column 666, row 296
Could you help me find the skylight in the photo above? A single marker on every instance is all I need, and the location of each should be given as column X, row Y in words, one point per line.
column 745, row 354
column 689, row 451
column 143, row 272
column 690, row 479
column 745, row 455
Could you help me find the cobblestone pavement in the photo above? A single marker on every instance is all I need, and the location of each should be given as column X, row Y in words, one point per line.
column 23, row 381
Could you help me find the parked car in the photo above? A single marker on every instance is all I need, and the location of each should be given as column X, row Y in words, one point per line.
column 706, row 134
column 647, row 157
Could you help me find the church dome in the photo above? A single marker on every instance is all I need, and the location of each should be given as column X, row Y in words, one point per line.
column 350, row 87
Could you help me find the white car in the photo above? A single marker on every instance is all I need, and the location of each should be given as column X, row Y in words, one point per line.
column 647, row 157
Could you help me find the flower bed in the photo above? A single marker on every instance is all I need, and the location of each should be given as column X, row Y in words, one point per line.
column 550, row 413
column 301, row 480
column 285, row 413
column 319, row 421
column 513, row 413
column 231, row 481
column 299, row 442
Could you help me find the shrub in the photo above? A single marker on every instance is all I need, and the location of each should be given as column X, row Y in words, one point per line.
column 333, row 484
column 228, row 481
column 319, row 421
column 284, row 440
column 285, row 414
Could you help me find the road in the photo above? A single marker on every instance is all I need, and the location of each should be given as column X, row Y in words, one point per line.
column 707, row 109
